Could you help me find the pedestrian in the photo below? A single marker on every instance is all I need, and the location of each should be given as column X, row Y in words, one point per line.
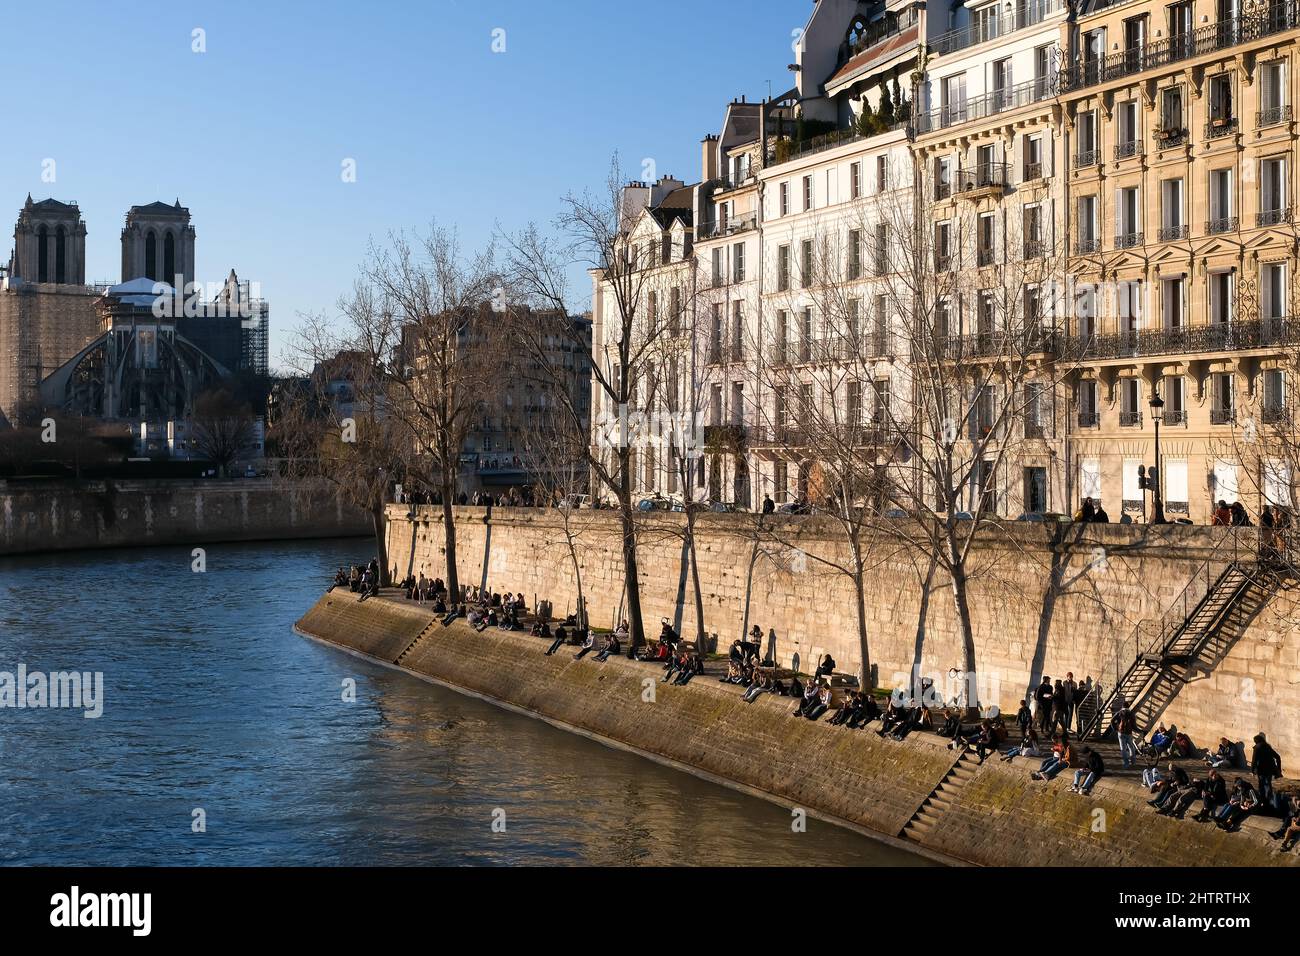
column 1266, row 765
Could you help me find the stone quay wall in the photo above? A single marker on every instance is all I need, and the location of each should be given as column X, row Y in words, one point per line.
column 37, row 517
column 998, row 817
column 1044, row 599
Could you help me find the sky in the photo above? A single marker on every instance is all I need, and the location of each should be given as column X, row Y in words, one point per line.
column 251, row 121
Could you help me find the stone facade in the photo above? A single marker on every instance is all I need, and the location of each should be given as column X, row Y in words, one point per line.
column 1112, row 583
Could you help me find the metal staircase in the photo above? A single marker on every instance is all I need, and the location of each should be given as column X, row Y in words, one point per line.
column 1161, row 663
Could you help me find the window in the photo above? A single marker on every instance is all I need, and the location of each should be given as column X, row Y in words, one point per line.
column 1225, row 481
column 738, row 262
column 1222, row 216
column 1221, row 297
column 1130, row 415
column 1088, row 148
column 1088, row 414
column 1000, row 82
column 806, row 336
column 942, row 245
column 1035, row 412
column 807, row 193
column 737, row 403
column 1273, row 293
column 1171, row 115
column 1175, row 399
column 675, row 310
column 719, row 273
column 853, row 391
column 953, row 99
column 783, row 268
column 986, row 251
column 855, row 180
column 1090, row 479
column 1128, row 209
column 1171, row 210
column 1135, row 37
column 715, row 335
column 986, row 23
column 737, row 330
column 1222, row 117
column 854, row 266
column 1033, row 231
column 785, row 199
column 781, row 480
column 942, row 178
column 1130, row 138
column 806, row 263
column 1033, row 158
column 882, row 248
column 1272, row 192
column 1272, row 94
column 882, row 174
column 1277, row 483
column 880, row 344
column 1176, row 484
column 1173, row 302
column 1274, row 395
column 1088, row 230
column 1044, row 67
column 1222, row 399
column 782, row 334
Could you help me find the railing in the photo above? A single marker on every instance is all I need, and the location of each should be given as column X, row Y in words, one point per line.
column 984, row 256
column 1174, row 416
column 1087, row 246
column 1033, row 171
column 1169, row 138
column 1089, row 419
column 731, row 435
column 1128, row 240
column 1086, row 158
column 825, row 141
column 1275, row 414
column 1220, row 127
column 1273, row 116
column 1273, row 217
column 1131, row 148
column 1222, row 224
column 1130, row 419
column 1223, row 416
column 983, row 176
column 1171, row 233
column 1219, row 337
column 1204, row 39
column 728, row 227
column 989, row 104
column 1035, row 249
column 1034, row 429
column 942, row 190
column 1024, row 15
column 957, row 348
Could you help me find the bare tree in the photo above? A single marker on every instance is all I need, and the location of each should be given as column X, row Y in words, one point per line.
column 595, row 231
column 224, row 429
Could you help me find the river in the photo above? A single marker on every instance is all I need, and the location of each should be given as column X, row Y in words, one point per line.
column 225, row 739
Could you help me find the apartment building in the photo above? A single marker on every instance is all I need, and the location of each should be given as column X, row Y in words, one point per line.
column 1181, row 144
column 1099, row 198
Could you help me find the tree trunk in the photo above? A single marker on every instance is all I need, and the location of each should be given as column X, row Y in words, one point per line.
column 577, row 577
column 449, row 541
column 749, row 589
column 695, row 580
column 860, row 592
column 631, row 577
column 379, row 524
column 962, row 606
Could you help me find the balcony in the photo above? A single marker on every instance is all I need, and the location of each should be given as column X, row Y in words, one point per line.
column 982, row 31
column 1085, row 247
column 983, row 179
column 1224, row 224
column 714, row 354
column 728, row 227
column 1129, row 149
column 1128, row 240
column 1273, row 217
column 1171, row 233
column 942, row 190
column 1273, row 116
column 1193, row 340
column 1034, row 429
column 1222, row 126
column 989, row 104
column 1170, row 137
column 1089, row 419
column 1275, row 414
column 1222, row 416
column 1130, row 419
column 1033, row 171
column 1277, row 17
column 999, row 344
column 1174, row 416
column 984, row 256
column 1087, row 158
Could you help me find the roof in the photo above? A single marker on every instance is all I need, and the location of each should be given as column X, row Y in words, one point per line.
column 140, row 291
column 678, row 204
column 886, row 48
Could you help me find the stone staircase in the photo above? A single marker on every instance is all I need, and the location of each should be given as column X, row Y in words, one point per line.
column 418, row 638
column 941, row 797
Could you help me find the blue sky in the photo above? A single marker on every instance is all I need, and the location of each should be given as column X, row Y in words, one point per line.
column 251, row 135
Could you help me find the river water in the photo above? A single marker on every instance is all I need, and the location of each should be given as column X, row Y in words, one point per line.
column 218, row 718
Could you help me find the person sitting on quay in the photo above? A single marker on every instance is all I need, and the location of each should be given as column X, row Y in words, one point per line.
column 588, row 643
column 1087, row 775
column 340, row 580
column 808, row 700
column 845, row 710
column 691, row 665
column 1243, row 801
column 821, row 702
column 1211, row 791
column 867, row 711
column 951, row 726
column 540, row 629
column 1166, row 787
column 825, row 668
column 761, row 684
column 1028, row 746
column 1061, row 758
column 561, row 635
column 1225, row 755
column 611, row 646
column 1289, row 831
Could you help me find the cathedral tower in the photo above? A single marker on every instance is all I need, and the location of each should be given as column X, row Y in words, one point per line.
column 158, row 244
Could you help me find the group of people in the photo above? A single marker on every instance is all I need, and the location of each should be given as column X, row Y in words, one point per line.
column 361, row 579
column 1057, row 705
column 1175, row 790
column 487, row 608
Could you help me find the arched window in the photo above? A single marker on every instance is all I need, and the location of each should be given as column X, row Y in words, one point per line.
column 42, row 255
column 150, row 256
column 169, row 258
column 61, row 256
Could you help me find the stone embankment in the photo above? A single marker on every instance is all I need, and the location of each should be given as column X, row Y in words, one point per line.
column 917, row 790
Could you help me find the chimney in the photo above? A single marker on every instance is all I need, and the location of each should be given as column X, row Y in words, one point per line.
column 709, row 159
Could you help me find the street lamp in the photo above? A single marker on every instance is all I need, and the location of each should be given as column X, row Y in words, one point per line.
column 1157, row 502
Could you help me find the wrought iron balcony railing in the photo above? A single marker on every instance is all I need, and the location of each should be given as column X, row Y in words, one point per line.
column 1087, row 157
column 983, row 176
column 1275, row 414
column 1174, row 416
column 1276, row 17
column 1172, row 233
column 1089, row 419
column 1192, row 340
column 1130, row 419
column 1222, row 126
column 1273, row 217
column 1131, row 148
column 981, row 31
column 1273, row 116
column 1223, row 224
column 989, row 104
column 1222, row 416
column 1128, row 240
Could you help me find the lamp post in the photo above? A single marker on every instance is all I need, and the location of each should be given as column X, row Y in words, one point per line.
column 1157, row 502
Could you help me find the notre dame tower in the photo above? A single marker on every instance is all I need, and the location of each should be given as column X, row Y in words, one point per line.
column 158, row 244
